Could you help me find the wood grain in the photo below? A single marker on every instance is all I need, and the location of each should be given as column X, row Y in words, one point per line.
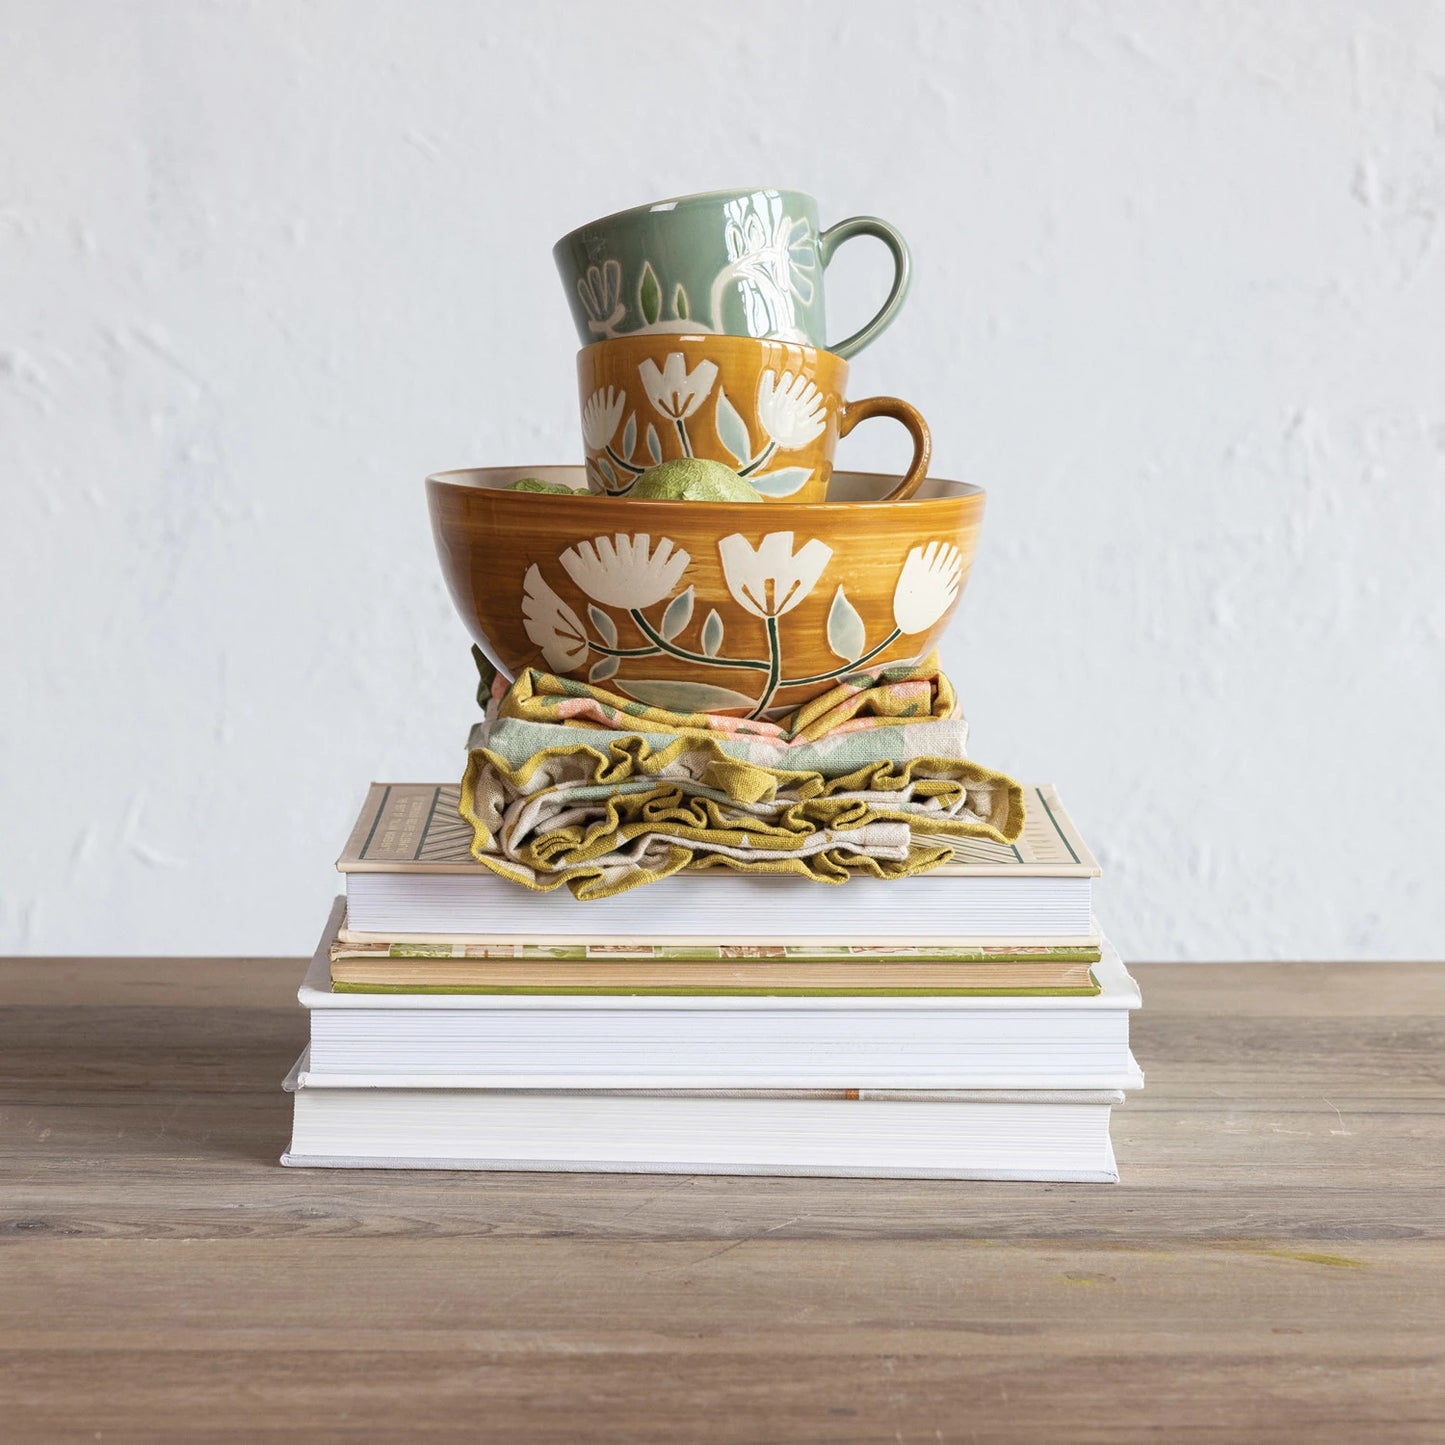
column 1271, row 1268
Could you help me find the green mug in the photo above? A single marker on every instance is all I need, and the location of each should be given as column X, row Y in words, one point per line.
column 737, row 263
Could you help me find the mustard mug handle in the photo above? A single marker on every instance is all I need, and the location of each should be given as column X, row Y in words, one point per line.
column 855, row 411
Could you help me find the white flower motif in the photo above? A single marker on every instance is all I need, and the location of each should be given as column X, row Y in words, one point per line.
column 777, row 248
column 769, row 580
column 601, row 413
column 792, row 410
column 675, row 391
column 927, row 586
column 552, row 624
column 619, row 572
column 770, row 261
column 600, row 292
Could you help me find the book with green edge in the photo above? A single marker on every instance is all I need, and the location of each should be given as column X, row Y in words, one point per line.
column 723, row 969
column 715, row 991
column 638, row 951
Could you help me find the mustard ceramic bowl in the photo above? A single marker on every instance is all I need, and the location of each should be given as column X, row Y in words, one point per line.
column 728, row 607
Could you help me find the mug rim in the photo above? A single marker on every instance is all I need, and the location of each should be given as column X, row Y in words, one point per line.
column 709, row 338
column 458, row 477
column 672, row 203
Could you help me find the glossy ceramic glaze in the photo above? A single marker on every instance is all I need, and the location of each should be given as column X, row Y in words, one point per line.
column 703, row 606
column 770, row 410
column 740, row 263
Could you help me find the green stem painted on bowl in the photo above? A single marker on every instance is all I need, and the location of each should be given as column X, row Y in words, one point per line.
column 775, row 668
column 663, row 645
column 623, row 651
column 847, row 667
column 774, row 682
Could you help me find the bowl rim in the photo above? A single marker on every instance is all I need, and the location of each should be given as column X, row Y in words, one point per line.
column 455, row 478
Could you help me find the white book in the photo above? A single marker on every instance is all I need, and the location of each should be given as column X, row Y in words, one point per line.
column 548, row 1042
column 1040, row 1135
column 409, row 871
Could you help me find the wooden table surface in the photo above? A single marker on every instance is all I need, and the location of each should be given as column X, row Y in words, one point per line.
column 1270, row 1267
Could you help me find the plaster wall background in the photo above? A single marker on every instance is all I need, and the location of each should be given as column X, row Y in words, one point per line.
column 1178, row 306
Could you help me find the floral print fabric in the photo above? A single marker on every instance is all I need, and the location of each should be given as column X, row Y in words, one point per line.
column 568, row 784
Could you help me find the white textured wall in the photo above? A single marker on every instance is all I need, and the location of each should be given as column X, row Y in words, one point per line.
column 1179, row 306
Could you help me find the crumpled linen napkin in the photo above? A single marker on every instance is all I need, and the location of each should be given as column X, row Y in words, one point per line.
column 907, row 711
column 603, row 807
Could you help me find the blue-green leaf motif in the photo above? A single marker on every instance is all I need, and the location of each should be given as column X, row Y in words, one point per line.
column 783, row 482
column 603, row 668
column 649, row 294
column 847, row 636
column 712, row 634
column 679, row 696
column 629, row 436
column 594, row 476
column 732, row 430
column 654, row 446
column 605, row 467
column 678, row 615
column 606, row 627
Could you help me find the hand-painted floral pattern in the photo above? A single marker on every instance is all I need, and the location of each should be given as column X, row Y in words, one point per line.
column 600, row 292
column 674, row 390
column 927, row 586
column 601, row 415
column 768, row 580
column 677, row 392
column 624, row 571
column 791, row 409
column 775, row 247
column 772, row 258
column 551, row 624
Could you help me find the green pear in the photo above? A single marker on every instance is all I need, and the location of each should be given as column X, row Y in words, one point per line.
column 691, row 479
column 536, row 484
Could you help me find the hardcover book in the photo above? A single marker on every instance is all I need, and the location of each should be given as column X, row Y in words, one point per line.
column 639, row 1040
column 409, row 870
column 1035, row 1134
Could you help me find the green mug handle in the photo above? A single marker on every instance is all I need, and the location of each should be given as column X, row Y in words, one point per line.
column 834, row 237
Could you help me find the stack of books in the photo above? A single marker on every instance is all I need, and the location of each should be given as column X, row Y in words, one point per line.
column 970, row 1023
